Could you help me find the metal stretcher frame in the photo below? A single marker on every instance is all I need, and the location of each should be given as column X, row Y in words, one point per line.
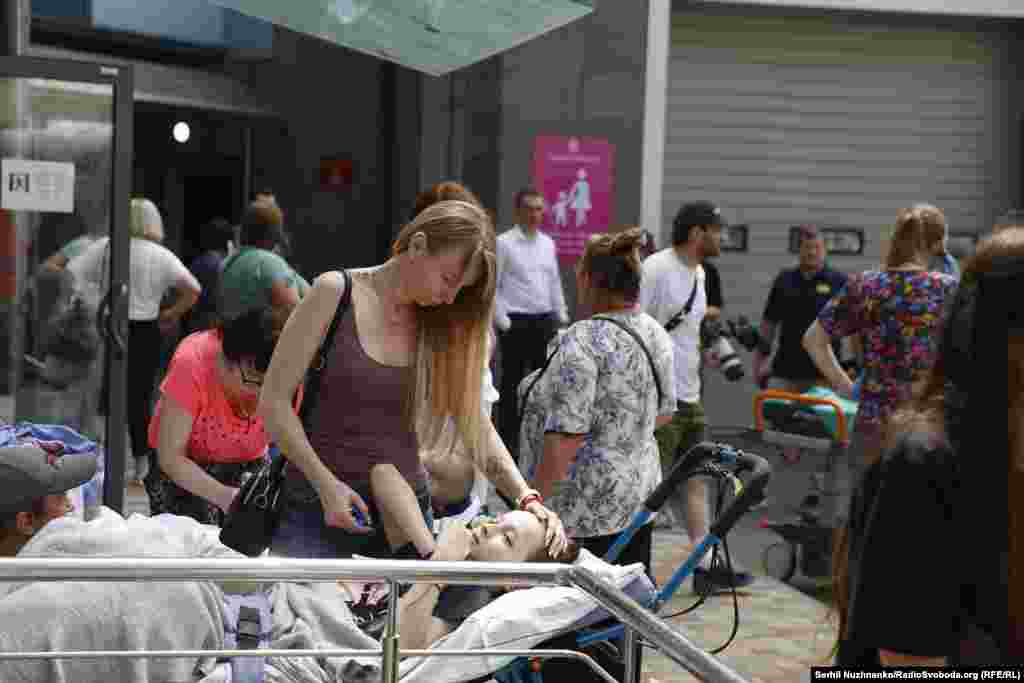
column 637, row 620
column 837, row 449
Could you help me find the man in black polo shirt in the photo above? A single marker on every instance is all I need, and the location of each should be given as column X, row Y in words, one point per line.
column 793, row 304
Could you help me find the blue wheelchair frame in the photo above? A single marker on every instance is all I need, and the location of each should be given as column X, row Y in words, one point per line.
column 694, row 463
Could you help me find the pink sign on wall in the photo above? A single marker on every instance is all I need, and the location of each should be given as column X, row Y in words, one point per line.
column 575, row 176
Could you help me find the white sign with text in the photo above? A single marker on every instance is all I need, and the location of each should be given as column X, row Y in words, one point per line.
column 29, row 185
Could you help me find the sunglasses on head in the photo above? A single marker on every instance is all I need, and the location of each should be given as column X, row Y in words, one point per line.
column 250, row 379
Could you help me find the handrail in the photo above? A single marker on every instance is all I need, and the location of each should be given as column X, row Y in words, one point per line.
column 673, row 644
column 650, row 627
column 280, row 569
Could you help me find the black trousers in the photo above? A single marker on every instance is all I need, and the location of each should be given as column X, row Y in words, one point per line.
column 144, row 341
column 523, row 350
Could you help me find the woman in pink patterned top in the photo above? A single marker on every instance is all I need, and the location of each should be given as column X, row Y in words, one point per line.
column 205, row 428
column 896, row 314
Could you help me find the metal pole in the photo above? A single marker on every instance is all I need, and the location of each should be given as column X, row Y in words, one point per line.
column 24, row 569
column 247, row 163
column 684, row 653
column 629, row 645
column 15, row 27
column 389, row 643
column 14, row 35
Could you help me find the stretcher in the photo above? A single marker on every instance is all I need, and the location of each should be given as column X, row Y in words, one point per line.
column 311, row 620
column 820, row 422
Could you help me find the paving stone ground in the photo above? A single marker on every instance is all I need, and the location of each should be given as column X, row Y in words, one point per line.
column 782, row 631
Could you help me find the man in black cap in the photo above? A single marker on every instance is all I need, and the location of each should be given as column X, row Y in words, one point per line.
column 673, row 291
column 34, row 489
column 796, row 297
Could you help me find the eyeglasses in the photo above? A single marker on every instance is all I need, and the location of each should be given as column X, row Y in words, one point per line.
column 250, row 379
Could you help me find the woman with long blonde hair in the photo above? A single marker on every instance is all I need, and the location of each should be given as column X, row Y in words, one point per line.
column 408, row 358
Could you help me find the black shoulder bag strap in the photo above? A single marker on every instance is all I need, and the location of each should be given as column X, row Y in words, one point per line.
column 314, row 375
column 632, row 333
column 619, row 323
column 529, row 389
column 674, row 321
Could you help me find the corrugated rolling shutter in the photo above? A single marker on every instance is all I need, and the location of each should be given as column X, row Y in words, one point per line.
column 792, row 119
column 833, row 119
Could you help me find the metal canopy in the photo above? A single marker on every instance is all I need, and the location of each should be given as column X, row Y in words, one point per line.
column 432, row 36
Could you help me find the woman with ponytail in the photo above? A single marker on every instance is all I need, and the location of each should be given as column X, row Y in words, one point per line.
column 895, row 314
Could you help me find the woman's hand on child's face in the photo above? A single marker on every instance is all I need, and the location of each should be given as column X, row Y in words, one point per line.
column 554, row 536
column 453, row 544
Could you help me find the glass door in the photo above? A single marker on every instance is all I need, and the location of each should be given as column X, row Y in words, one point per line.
column 65, row 163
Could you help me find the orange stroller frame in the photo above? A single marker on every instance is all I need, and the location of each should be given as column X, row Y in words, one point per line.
column 806, row 539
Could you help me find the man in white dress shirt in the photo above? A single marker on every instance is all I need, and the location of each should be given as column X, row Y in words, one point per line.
column 529, row 307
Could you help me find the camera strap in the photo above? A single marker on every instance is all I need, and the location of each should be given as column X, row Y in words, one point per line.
column 674, row 321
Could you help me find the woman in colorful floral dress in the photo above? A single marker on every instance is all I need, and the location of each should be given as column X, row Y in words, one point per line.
column 895, row 314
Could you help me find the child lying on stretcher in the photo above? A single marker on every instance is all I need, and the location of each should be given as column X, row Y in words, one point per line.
column 189, row 615
column 436, row 608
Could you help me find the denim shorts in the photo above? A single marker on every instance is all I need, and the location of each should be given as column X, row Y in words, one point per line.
column 303, row 534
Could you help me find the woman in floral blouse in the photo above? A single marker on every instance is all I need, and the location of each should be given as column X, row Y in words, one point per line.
column 587, row 436
column 896, row 314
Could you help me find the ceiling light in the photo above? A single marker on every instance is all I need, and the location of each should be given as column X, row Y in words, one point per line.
column 181, row 132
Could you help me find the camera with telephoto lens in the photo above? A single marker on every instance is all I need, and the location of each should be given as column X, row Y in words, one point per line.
column 714, row 338
column 744, row 332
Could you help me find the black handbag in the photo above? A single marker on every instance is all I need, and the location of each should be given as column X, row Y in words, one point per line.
column 256, row 510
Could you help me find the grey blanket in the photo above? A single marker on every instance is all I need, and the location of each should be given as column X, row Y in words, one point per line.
column 62, row 616
column 84, row 616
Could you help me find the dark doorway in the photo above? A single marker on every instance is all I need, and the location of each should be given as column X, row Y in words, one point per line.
column 207, row 197
column 194, row 180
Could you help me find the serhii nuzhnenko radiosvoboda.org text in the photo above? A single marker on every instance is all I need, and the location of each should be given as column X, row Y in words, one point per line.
column 835, row 674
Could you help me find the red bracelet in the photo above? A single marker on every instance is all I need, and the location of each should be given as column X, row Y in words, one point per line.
column 530, row 498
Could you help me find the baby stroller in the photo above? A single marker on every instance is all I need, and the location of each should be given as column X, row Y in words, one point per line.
column 719, row 461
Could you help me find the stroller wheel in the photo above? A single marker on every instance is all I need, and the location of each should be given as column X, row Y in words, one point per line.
column 779, row 560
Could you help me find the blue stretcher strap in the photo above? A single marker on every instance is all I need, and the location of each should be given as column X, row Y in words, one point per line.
column 247, row 627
